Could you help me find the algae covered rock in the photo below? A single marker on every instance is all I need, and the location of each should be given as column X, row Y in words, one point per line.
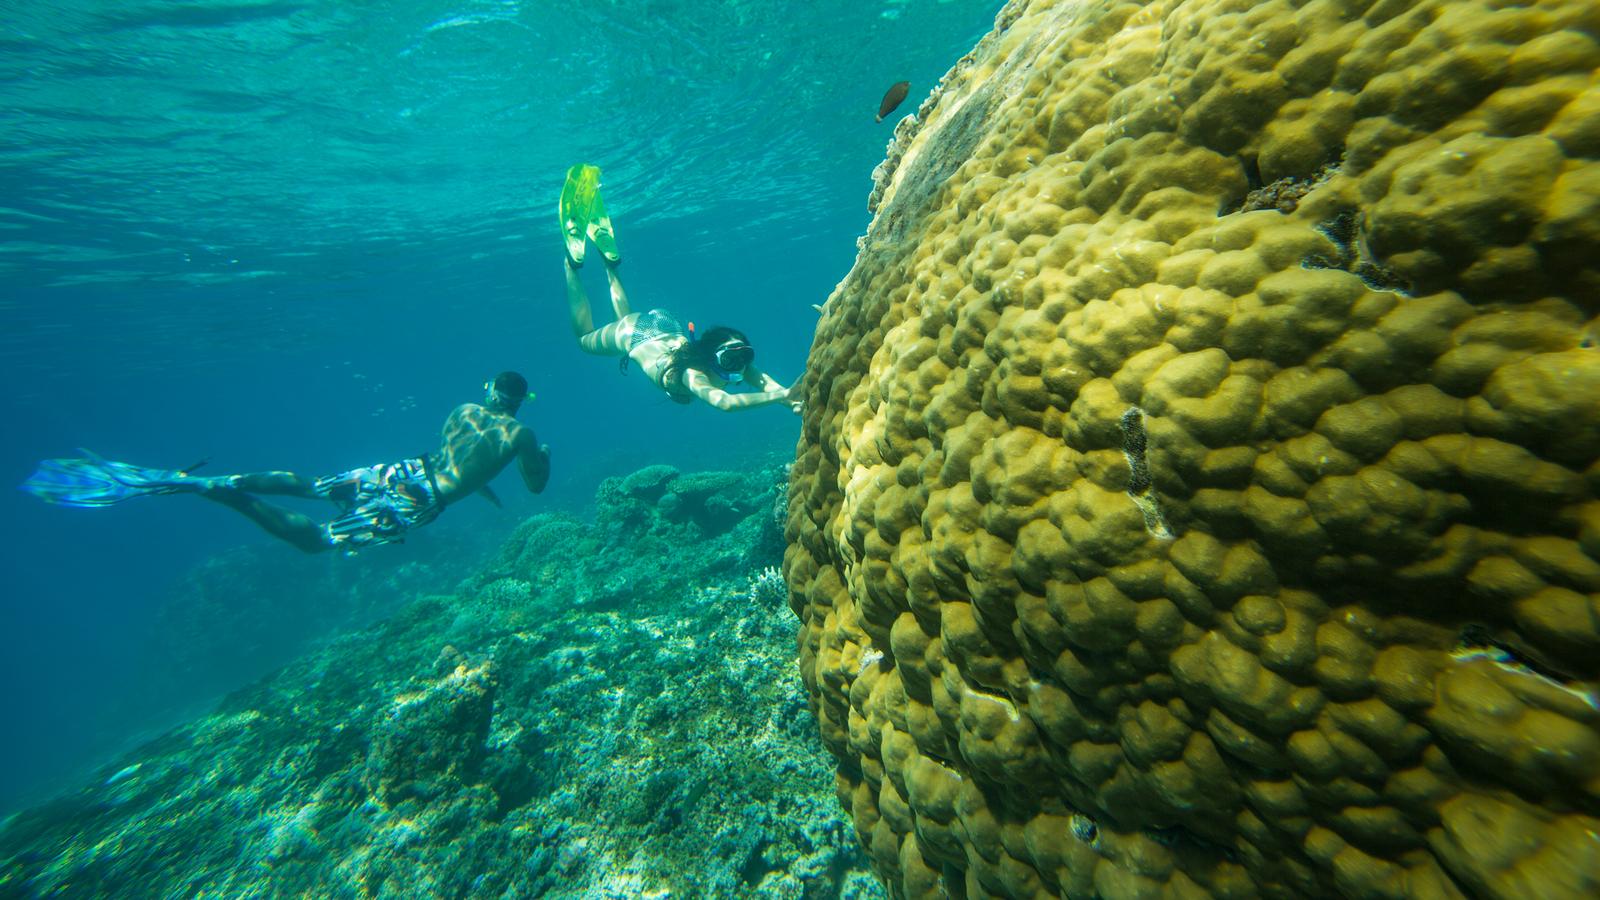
column 431, row 741
column 1198, row 486
column 655, row 532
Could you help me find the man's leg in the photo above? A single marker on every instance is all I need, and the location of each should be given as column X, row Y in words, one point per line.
column 283, row 483
column 285, row 524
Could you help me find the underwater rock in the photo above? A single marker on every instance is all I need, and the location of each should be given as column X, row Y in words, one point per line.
column 654, row 499
column 713, row 501
column 710, row 525
column 1216, row 646
column 431, row 741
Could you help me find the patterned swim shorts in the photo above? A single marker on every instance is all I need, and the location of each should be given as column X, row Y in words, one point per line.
column 379, row 504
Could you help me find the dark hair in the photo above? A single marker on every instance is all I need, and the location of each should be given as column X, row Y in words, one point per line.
column 512, row 385
column 701, row 353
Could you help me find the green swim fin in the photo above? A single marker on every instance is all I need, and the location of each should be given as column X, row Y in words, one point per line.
column 583, row 215
column 577, row 195
column 605, row 239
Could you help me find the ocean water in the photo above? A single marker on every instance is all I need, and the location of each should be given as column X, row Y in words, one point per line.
column 295, row 234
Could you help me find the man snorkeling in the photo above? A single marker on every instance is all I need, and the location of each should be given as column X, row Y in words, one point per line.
column 717, row 366
column 377, row 504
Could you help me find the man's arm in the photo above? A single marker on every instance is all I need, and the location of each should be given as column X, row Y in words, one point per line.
column 533, row 460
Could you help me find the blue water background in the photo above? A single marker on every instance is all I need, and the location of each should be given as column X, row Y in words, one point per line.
column 294, row 235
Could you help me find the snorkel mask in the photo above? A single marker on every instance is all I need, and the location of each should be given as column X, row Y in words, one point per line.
column 492, row 396
column 732, row 358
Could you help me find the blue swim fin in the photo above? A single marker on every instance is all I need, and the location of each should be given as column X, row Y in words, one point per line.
column 97, row 481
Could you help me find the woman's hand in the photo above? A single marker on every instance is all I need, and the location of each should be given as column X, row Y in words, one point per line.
column 797, row 402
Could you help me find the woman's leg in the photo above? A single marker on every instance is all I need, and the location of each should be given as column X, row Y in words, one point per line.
column 578, row 299
column 611, row 340
column 619, row 297
column 577, row 302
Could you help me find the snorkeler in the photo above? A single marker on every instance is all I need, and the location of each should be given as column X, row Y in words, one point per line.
column 377, row 504
column 682, row 363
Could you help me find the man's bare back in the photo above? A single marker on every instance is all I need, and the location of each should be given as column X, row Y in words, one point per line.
column 478, row 443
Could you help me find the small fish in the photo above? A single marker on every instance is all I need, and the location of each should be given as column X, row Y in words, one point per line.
column 893, row 98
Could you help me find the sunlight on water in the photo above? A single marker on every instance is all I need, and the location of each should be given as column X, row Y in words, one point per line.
column 272, row 127
column 178, row 149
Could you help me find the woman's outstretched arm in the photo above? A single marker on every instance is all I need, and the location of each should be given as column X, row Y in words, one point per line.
column 701, row 387
column 761, row 381
column 765, row 382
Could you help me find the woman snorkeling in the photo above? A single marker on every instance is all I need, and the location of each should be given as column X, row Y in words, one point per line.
column 709, row 365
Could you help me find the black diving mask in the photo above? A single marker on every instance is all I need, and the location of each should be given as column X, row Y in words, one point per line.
column 733, row 357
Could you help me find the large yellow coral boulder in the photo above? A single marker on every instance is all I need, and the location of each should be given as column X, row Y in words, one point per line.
column 1199, row 491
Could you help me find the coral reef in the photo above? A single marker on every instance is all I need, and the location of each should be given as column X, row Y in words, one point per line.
column 1149, row 544
column 606, row 709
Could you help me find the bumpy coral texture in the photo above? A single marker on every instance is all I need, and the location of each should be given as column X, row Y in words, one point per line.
column 1147, row 542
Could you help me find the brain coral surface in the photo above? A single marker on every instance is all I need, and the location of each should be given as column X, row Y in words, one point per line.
column 1198, row 487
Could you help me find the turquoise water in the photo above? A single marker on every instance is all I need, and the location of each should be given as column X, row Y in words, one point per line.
column 294, row 235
